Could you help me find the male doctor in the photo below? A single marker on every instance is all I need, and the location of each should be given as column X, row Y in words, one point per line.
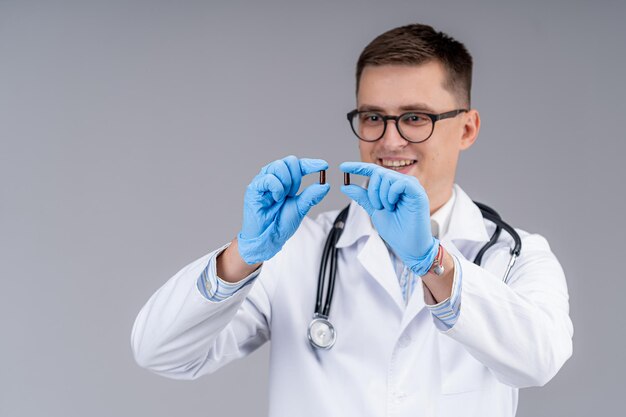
column 420, row 329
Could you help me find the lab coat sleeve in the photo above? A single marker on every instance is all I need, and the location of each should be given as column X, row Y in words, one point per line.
column 446, row 312
column 213, row 287
column 521, row 331
column 181, row 334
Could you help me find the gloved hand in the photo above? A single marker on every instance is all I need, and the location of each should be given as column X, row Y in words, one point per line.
column 400, row 211
column 272, row 211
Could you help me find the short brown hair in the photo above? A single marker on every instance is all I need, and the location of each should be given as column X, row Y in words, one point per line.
column 419, row 44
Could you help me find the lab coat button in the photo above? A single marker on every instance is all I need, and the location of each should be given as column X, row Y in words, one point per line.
column 400, row 397
column 404, row 341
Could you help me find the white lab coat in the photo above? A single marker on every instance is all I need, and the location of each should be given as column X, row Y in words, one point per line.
column 389, row 359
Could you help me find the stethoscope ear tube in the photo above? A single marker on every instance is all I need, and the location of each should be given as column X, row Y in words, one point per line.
column 493, row 216
column 509, row 266
column 517, row 248
column 494, row 237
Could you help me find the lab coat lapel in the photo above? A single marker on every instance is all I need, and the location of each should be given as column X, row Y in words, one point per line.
column 416, row 304
column 374, row 256
column 375, row 259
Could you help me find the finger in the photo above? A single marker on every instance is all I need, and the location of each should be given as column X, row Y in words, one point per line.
column 309, row 166
column 396, row 190
column 293, row 165
column 358, row 194
column 385, row 185
column 373, row 190
column 311, row 196
column 280, row 170
column 359, row 168
column 407, row 188
column 264, row 183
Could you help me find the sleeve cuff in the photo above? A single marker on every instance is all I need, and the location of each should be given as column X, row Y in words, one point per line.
column 446, row 312
column 213, row 288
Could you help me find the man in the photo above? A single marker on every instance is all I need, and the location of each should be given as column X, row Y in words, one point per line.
column 420, row 329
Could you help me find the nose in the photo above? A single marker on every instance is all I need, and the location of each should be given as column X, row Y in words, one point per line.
column 392, row 137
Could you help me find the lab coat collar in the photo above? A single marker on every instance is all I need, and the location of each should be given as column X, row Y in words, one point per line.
column 466, row 222
column 358, row 224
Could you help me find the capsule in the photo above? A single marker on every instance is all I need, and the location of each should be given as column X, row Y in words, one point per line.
column 346, row 178
column 323, row 177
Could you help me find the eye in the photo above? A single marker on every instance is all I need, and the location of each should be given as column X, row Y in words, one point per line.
column 415, row 119
column 370, row 118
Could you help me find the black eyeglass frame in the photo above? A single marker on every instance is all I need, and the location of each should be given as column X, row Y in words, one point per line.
column 433, row 117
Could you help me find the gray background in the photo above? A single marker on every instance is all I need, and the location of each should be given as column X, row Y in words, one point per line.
column 129, row 131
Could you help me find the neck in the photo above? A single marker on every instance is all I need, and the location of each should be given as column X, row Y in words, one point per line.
column 437, row 201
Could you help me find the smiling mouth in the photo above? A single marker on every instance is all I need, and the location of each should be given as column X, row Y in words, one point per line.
column 397, row 164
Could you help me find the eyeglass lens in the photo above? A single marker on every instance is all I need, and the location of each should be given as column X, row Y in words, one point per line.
column 370, row 126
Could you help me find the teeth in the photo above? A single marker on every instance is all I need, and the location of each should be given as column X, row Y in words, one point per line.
column 396, row 163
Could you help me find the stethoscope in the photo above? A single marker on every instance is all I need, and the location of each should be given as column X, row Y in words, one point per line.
column 321, row 332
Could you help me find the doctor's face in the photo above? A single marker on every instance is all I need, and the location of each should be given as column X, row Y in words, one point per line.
column 397, row 89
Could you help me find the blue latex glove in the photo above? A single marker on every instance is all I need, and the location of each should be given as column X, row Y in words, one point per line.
column 400, row 212
column 272, row 211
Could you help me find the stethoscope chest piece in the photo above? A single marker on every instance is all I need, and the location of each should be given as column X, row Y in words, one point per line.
column 321, row 333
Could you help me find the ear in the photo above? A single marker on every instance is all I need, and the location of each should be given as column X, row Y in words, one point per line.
column 470, row 129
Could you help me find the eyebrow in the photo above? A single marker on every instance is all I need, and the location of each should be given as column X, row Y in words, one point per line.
column 421, row 107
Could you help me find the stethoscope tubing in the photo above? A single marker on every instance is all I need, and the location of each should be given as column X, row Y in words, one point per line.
column 330, row 252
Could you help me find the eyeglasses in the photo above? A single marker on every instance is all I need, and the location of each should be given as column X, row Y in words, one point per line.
column 414, row 127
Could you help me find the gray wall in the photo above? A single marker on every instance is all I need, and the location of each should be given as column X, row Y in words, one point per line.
column 129, row 130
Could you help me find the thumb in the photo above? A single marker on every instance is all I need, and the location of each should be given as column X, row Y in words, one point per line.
column 311, row 195
column 358, row 194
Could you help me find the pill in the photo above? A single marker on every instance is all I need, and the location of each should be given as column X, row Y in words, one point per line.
column 323, row 177
column 346, row 178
